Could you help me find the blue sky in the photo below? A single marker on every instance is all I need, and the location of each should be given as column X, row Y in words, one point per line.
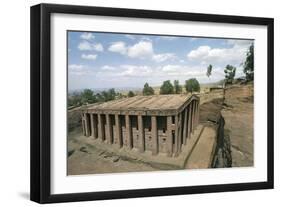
column 112, row 60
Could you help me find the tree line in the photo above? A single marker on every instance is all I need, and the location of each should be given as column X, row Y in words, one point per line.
column 167, row 87
column 87, row 96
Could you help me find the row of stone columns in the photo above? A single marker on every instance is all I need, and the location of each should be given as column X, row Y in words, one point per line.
column 179, row 129
column 95, row 127
column 185, row 124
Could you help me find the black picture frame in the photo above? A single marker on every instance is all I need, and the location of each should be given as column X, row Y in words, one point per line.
column 41, row 102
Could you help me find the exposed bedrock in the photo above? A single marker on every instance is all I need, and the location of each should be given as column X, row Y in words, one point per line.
column 222, row 156
column 211, row 115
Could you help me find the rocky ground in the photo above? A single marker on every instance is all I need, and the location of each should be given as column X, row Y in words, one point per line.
column 235, row 114
column 87, row 155
column 238, row 111
column 88, row 159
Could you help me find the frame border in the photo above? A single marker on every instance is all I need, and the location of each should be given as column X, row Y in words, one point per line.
column 40, row 100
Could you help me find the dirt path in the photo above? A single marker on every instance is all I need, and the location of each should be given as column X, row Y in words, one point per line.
column 201, row 156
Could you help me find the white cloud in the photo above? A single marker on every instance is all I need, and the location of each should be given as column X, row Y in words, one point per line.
column 98, row 47
column 108, row 68
column 87, row 46
column 142, row 49
column 80, row 70
column 234, row 55
column 125, row 71
column 163, row 57
column 136, row 71
column 75, row 69
column 87, row 36
column 89, row 56
column 118, row 47
column 200, row 52
column 182, row 72
column 171, row 68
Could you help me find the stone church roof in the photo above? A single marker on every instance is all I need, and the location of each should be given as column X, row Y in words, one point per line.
column 144, row 105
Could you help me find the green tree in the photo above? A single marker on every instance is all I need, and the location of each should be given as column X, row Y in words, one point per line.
column 111, row 94
column 209, row 70
column 192, row 85
column 147, row 90
column 167, row 87
column 131, row 94
column 99, row 97
column 107, row 95
column 230, row 72
column 119, row 95
column 87, row 96
column 104, row 96
column 248, row 65
column 177, row 87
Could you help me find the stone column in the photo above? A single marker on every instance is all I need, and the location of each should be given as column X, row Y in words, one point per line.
column 93, row 129
column 193, row 116
column 100, row 127
column 169, row 136
column 189, row 120
column 180, row 133
column 141, row 133
column 154, row 135
column 109, row 129
column 184, row 126
column 87, row 126
column 197, row 113
column 129, row 131
column 176, row 135
column 118, row 130
column 83, row 124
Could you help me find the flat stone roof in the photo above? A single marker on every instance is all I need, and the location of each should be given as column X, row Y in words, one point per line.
column 155, row 104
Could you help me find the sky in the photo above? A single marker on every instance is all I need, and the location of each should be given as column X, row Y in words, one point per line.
column 99, row 60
